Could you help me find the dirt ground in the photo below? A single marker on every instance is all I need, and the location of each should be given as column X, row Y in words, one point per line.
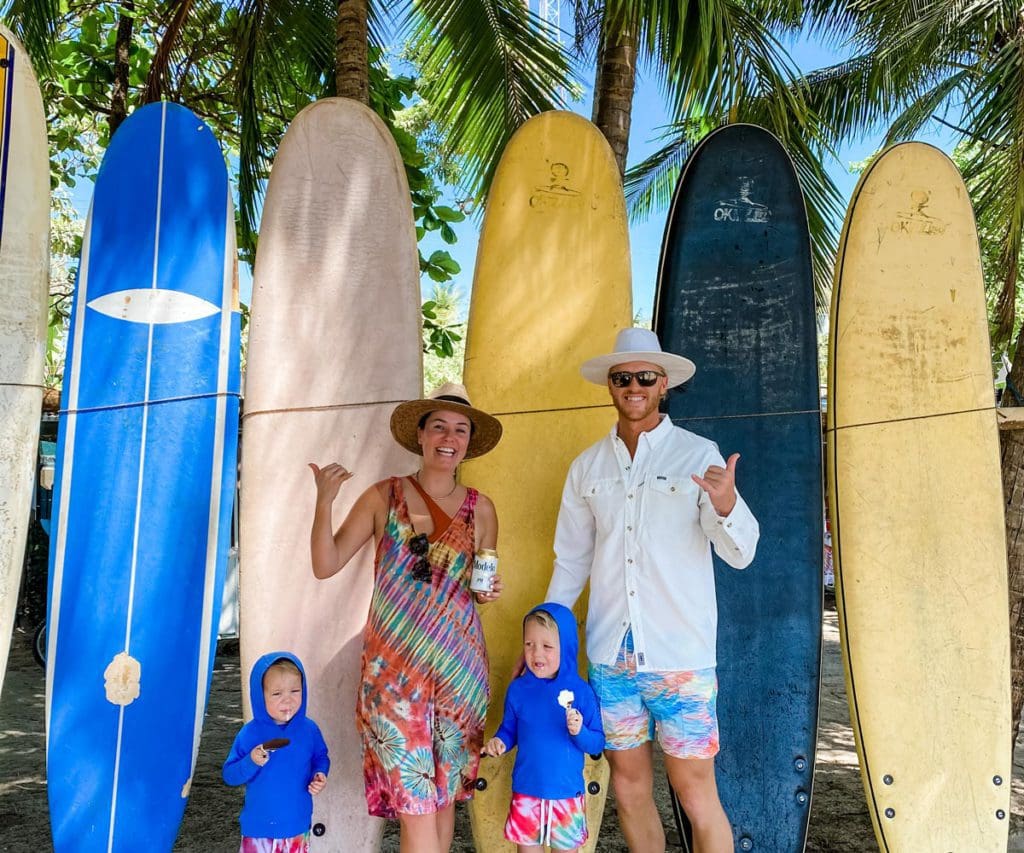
column 839, row 817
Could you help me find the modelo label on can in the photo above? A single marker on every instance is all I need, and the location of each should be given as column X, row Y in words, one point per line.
column 485, row 567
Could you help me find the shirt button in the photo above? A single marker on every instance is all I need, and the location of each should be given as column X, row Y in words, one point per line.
column 630, row 561
column 632, row 592
column 630, row 496
column 672, row 489
column 629, row 527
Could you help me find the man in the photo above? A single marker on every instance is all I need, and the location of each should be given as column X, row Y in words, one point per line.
column 640, row 512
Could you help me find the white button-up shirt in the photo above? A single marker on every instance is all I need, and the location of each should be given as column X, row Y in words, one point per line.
column 641, row 530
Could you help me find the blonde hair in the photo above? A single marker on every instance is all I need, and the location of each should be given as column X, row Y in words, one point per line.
column 283, row 665
column 542, row 618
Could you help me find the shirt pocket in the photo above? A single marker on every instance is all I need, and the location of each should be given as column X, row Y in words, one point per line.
column 604, row 496
column 669, row 500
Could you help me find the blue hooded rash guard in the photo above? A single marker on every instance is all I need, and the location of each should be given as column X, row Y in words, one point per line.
column 549, row 761
column 277, row 802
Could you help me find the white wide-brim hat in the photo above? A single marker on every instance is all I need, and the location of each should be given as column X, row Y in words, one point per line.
column 452, row 397
column 637, row 344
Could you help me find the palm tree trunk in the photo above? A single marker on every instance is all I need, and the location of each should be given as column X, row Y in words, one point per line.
column 614, row 85
column 351, row 51
column 1012, row 444
column 122, row 44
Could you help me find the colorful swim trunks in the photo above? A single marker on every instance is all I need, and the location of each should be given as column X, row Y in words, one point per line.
column 298, row 844
column 560, row 824
column 678, row 706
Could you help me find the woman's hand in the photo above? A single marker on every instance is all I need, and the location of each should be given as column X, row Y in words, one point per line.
column 328, row 481
column 496, row 587
column 494, row 747
column 318, row 783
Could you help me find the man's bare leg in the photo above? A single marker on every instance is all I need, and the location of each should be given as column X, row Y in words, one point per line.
column 633, row 783
column 693, row 780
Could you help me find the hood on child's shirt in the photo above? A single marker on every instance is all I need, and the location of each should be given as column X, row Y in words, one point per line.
column 568, row 641
column 259, row 669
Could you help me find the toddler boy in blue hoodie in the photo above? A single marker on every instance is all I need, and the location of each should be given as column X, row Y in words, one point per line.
column 553, row 719
column 280, row 757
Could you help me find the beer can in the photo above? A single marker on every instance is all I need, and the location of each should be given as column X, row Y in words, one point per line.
column 485, row 567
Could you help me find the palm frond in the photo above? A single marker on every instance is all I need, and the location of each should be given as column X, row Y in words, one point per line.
column 649, row 184
column 284, row 51
column 35, row 23
column 177, row 15
column 488, row 65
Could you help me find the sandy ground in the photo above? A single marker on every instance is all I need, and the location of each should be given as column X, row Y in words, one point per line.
column 839, row 817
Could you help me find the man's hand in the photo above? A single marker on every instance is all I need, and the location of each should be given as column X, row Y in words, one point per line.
column 720, row 484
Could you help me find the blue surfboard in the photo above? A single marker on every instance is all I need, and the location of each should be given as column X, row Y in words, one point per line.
column 145, row 476
column 735, row 294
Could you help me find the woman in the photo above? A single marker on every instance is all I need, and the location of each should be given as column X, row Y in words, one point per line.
column 423, row 696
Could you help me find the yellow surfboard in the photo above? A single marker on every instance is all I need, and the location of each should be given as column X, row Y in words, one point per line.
column 917, row 512
column 551, row 289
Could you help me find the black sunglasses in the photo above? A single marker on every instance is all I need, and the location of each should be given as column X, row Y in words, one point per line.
column 645, row 378
column 421, row 570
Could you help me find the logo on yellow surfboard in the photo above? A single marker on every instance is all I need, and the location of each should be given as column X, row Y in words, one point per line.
column 917, row 220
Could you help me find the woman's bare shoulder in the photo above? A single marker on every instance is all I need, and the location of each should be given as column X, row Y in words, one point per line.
column 485, row 506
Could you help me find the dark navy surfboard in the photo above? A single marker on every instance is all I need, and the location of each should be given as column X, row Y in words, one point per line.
column 735, row 294
column 144, row 485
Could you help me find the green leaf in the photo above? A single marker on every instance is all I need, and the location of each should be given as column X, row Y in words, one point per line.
column 448, row 214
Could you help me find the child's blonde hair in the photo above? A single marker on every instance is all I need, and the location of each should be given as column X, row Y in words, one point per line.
column 542, row 618
column 283, row 665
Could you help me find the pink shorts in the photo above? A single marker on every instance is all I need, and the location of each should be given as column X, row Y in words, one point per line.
column 559, row 824
column 298, row 844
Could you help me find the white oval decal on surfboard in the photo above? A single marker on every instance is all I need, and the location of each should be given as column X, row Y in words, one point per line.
column 153, row 305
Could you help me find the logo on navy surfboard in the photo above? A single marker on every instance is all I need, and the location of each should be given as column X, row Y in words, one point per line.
column 742, row 208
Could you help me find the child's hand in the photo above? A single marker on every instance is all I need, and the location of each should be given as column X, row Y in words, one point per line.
column 259, row 755
column 494, row 747
column 573, row 720
column 318, row 784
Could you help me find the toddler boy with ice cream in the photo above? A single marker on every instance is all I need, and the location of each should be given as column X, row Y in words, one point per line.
column 553, row 719
column 281, row 758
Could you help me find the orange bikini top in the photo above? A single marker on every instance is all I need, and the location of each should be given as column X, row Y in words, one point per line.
column 442, row 521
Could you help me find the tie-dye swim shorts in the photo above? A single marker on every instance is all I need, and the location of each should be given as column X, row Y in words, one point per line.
column 559, row 824
column 678, row 706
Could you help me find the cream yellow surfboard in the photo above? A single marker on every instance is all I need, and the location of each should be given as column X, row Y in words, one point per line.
column 551, row 289
column 917, row 511
column 334, row 345
column 24, row 265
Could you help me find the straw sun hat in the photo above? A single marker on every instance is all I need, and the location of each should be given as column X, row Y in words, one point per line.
column 452, row 397
column 638, row 344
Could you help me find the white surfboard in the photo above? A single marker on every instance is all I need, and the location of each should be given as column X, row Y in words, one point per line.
column 334, row 345
column 24, row 278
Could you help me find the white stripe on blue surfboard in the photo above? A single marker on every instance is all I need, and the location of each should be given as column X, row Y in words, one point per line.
column 213, row 524
column 138, row 492
column 73, row 375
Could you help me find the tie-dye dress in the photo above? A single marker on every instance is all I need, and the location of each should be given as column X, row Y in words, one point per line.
column 424, row 692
